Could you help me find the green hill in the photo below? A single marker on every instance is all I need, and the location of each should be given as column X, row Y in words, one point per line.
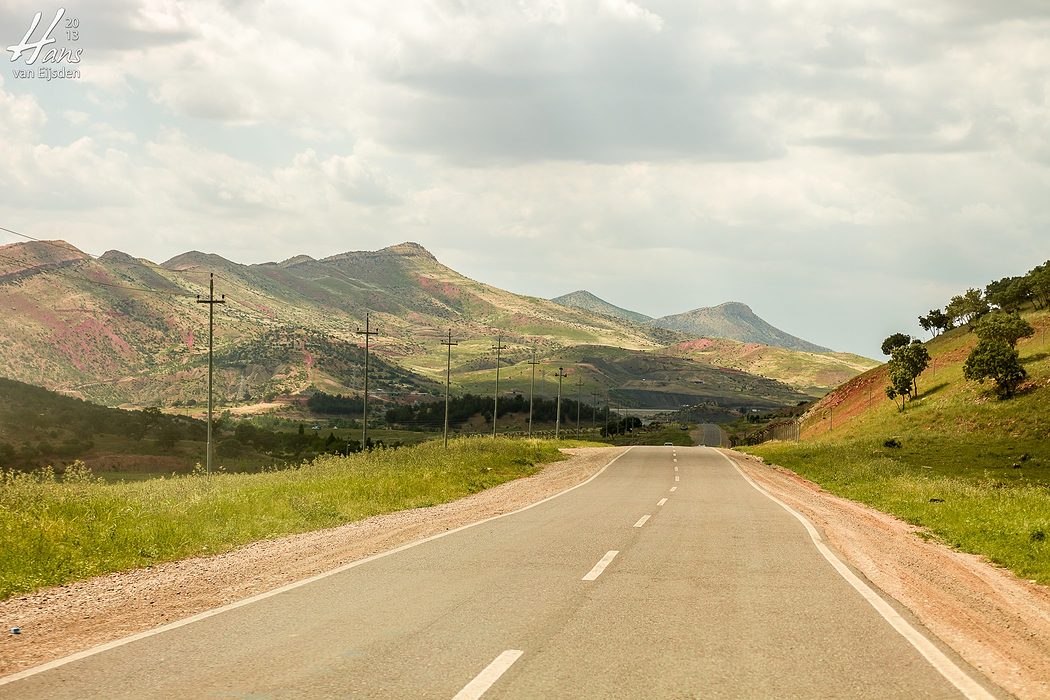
column 735, row 321
column 582, row 299
column 967, row 467
column 814, row 374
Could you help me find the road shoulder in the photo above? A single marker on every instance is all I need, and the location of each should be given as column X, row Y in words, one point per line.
column 998, row 623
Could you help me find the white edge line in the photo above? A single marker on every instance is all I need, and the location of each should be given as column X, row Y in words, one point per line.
column 641, row 520
column 594, row 573
column 937, row 658
column 491, row 673
column 283, row 589
column 661, row 501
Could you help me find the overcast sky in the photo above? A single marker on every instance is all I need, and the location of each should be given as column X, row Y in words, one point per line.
column 839, row 166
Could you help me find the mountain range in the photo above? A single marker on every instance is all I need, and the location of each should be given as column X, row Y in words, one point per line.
column 122, row 330
column 731, row 320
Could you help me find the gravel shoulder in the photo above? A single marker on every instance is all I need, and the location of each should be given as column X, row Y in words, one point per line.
column 999, row 623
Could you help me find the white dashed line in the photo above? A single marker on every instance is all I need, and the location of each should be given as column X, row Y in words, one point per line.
column 661, row 501
column 676, row 461
column 641, row 520
column 676, row 468
column 676, row 478
column 600, row 566
column 673, row 489
column 484, row 680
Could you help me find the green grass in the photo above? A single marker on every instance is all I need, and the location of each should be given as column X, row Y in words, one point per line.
column 53, row 532
column 1001, row 512
column 973, row 470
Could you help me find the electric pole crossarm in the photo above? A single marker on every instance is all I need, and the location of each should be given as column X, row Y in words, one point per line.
column 211, row 301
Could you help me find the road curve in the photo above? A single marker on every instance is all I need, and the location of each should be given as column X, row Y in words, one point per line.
column 668, row 575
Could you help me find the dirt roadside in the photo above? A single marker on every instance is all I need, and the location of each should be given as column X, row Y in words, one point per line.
column 997, row 622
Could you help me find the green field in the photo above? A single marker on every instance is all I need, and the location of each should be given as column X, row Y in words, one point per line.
column 55, row 531
column 973, row 470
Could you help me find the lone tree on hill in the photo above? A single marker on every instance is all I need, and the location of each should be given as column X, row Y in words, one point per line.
column 995, row 357
column 936, row 322
column 906, row 363
column 900, row 384
column 893, row 342
column 997, row 360
column 1009, row 327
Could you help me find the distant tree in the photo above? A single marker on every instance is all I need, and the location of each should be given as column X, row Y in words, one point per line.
column 995, row 359
column 967, row 308
column 908, row 362
column 900, row 384
column 170, row 434
column 150, row 417
column 894, row 341
column 936, row 322
column 999, row 325
column 1009, row 293
column 1039, row 283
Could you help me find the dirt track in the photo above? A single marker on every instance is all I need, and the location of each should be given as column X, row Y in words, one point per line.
column 998, row 623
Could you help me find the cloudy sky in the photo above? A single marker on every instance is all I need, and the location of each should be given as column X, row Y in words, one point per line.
column 839, row 166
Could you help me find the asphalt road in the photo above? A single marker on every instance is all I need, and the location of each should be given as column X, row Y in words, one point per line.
column 709, row 589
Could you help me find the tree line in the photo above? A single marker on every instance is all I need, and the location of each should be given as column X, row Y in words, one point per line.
column 993, row 315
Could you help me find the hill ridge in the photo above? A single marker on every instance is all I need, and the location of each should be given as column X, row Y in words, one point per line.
column 733, row 320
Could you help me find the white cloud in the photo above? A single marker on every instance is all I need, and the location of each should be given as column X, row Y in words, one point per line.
column 804, row 157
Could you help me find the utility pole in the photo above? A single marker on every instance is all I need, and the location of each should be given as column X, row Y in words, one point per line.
column 532, row 385
column 495, row 398
column 367, row 333
column 579, row 399
column 211, row 301
column 594, row 408
column 448, row 378
column 557, row 420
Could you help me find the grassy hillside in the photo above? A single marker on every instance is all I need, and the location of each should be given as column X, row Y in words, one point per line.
column 972, row 469
column 811, row 373
column 732, row 320
column 634, row 378
column 582, row 299
column 121, row 330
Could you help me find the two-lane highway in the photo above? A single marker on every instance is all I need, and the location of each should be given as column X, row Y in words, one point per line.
column 667, row 575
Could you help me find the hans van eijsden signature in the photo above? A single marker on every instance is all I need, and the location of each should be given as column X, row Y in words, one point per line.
column 54, row 56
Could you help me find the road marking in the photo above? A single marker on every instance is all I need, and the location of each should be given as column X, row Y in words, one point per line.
column 673, row 489
column 283, row 589
column 676, row 468
column 676, row 461
column 484, row 680
column 676, row 478
column 600, row 566
column 641, row 520
column 937, row 658
column 661, row 501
